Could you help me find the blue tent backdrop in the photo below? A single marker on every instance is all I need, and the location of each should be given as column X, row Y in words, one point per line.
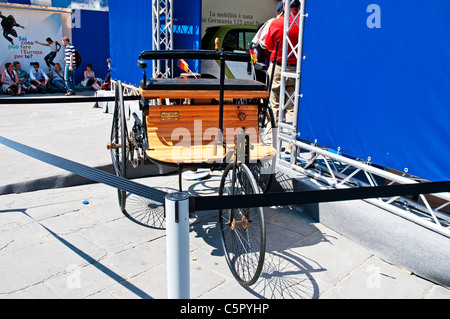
column 131, row 33
column 375, row 82
column 91, row 39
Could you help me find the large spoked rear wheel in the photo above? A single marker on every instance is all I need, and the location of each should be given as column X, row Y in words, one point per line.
column 264, row 170
column 119, row 141
column 242, row 230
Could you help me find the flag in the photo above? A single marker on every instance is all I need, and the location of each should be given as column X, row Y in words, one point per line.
column 183, row 65
column 253, row 55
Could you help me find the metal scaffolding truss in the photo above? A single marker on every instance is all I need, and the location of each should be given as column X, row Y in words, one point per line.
column 162, row 35
column 128, row 89
column 333, row 169
column 286, row 130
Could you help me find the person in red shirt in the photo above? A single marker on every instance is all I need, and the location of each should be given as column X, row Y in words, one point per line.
column 275, row 34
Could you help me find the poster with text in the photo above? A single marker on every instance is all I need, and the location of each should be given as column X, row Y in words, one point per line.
column 237, row 12
column 18, row 41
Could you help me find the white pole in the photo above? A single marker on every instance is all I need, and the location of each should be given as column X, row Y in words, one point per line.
column 177, row 239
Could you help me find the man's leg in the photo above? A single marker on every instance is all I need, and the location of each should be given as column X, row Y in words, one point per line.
column 288, row 106
column 290, row 90
column 49, row 59
column 275, row 92
column 6, row 34
column 70, row 82
column 66, row 79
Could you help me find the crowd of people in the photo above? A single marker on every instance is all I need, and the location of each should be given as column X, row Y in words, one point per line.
column 15, row 80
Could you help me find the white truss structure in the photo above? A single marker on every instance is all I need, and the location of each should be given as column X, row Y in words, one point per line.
column 333, row 169
column 128, row 89
column 288, row 131
column 35, row 7
column 162, row 35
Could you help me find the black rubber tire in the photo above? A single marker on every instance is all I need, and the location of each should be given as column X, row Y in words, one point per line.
column 242, row 231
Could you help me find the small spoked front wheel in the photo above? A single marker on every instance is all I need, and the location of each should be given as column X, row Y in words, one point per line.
column 242, row 231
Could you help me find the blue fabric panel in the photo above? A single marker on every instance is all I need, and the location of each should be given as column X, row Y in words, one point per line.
column 128, row 40
column 20, row 1
column 186, row 29
column 379, row 92
column 130, row 27
column 91, row 39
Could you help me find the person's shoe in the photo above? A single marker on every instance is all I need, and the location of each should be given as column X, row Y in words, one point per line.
column 70, row 93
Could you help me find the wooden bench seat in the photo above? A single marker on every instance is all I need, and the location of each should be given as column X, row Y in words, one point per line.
column 199, row 154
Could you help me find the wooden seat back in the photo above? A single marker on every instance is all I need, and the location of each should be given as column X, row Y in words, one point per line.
column 189, row 125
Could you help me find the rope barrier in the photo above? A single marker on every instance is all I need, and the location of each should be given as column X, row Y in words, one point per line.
column 65, row 99
column 87, row 172
column 317, row 196
column 202, row 203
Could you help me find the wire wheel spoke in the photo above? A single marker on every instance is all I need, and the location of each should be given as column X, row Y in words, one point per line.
column 148, row 212
column 263, row 171
column 242, row 230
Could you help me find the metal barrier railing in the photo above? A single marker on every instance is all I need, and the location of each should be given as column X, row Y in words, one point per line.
column 322, row 164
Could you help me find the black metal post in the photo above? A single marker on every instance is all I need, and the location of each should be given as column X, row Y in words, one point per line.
column 221, row 97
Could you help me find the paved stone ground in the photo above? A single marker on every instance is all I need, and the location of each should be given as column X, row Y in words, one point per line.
column 54, row 246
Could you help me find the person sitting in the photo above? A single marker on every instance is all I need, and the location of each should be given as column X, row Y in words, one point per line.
column 107, row 83
column 57, row 78
column 90, row 79
column 10, row 81
column 38, row 78
column 24, row 77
